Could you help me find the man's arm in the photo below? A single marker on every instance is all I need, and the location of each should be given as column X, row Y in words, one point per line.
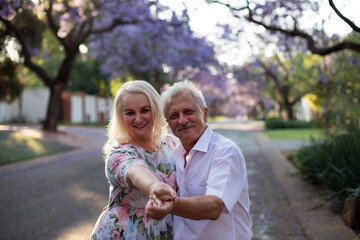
column 196, row 208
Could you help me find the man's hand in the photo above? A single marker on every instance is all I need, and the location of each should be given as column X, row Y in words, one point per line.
column 158, row 212
column 160, row 200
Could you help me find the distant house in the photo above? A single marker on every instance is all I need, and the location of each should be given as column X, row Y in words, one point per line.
column 76, row 107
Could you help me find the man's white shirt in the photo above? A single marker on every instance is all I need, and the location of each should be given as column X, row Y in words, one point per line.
column 215, row 166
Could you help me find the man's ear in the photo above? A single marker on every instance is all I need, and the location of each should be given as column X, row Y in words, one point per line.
column 206, row 114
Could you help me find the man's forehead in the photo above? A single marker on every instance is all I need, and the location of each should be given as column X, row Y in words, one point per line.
column 182, row 101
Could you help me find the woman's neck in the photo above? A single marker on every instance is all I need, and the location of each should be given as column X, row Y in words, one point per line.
column 148, row 145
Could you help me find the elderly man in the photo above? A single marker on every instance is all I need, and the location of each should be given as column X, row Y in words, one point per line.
column 213, row 198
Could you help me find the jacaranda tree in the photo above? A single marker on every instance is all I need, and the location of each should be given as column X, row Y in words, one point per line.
column 283, row 17
column 156, row 51
column 73, row 23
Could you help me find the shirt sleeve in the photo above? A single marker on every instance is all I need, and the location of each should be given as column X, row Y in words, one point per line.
column 227, row 176
column 121, row 159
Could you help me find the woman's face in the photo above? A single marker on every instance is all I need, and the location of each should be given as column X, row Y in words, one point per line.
column 137, row 116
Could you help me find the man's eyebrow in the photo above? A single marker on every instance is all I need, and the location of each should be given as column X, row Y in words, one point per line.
column 172, row 113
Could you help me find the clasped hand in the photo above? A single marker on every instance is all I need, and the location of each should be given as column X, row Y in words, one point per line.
column 161, row 200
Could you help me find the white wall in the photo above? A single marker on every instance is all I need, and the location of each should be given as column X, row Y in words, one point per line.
column 90, row 108
column 76, row 109
column 9, row 112
column 109, row 105
column 102, row 105
column 35, row 102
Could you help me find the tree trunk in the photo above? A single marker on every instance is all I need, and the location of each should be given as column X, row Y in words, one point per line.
column 56, row 89
column 289, row 111
column 156, row 80
column 53, row 110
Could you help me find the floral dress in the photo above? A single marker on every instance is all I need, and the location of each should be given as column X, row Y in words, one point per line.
column 124, row 217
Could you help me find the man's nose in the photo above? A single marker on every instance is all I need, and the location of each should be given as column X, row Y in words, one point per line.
column 182, row 119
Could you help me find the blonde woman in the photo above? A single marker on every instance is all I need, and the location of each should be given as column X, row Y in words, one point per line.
column 137, row 160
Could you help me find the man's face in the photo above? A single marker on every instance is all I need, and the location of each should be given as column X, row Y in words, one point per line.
column 186, row 119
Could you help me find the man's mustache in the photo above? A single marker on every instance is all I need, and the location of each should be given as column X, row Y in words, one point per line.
column 181, row 127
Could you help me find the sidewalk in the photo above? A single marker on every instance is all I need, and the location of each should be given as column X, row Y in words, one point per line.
column 317, row 219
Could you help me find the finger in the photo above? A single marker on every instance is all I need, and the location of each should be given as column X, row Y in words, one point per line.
column 165, row 191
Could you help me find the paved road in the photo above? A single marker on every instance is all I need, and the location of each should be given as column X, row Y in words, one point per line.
column 61, row 196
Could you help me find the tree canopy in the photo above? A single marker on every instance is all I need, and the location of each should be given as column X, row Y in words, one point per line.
column 73, row 23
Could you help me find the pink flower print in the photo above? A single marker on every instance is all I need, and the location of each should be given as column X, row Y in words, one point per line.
column 122, row 213
column 101, row 221
column 171, row 180
column 170, row 142
column 125, row 200
column 116, row 159
column 148, row 221
column 140, row 212
column 115, row 235
column 161, row 176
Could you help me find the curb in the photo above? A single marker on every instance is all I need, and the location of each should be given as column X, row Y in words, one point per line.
column 317, row 220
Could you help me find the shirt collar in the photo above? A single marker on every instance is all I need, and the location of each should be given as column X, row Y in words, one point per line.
column 202, row 144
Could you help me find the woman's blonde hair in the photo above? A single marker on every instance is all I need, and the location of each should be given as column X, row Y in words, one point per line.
column 116, row 130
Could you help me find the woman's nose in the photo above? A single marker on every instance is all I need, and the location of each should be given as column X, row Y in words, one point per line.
column 137, row 117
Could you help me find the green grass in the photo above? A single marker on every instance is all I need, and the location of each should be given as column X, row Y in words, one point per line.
column 15, row 146
column 296, row 133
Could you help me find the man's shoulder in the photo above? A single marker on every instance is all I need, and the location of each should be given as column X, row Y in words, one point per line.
column 221, row 142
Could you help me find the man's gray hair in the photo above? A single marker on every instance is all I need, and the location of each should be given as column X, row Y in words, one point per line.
column 179, row 88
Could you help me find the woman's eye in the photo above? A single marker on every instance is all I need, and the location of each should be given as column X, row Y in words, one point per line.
column 129, row 113
column 145, row 110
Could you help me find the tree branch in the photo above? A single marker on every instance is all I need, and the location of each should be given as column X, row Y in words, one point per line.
column 350, row 23
column 26, row 53
column 53, row 27
column 114, row 24
column 297, row 33
column 310, row 41
column 227, row 5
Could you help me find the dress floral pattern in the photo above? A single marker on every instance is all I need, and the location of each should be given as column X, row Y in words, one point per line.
column 124, row 217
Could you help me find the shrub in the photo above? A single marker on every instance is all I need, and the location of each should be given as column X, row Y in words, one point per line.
column 278, row 123
column 334, row 163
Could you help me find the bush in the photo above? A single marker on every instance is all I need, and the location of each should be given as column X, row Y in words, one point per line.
column 334, row 163
column 278, row 123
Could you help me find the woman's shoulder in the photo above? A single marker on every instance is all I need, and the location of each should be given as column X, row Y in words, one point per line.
column 126, row 148
column 171, row 141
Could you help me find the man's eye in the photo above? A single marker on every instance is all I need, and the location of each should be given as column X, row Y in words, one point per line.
column 173, row 116
column 188, row 112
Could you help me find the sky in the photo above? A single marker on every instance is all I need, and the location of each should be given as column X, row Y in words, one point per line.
column 204, row 17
